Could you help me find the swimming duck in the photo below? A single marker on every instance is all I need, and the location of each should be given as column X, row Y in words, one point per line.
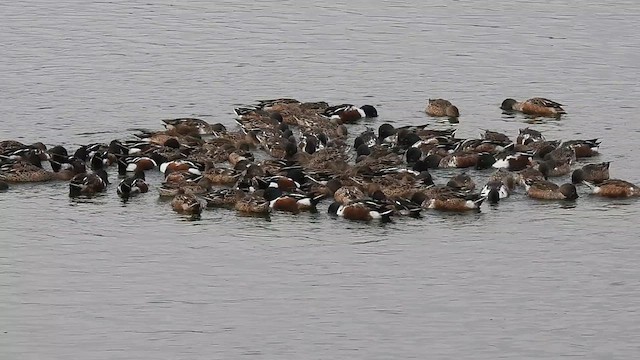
column 88, row 183
column 22, row 172
column 292, row 202
column 547, row 190
column 535, row 106
column 441, row 107
column 448, row 199
column 614, row 188
column 186, row 204
column 132, row 185
column 593, row 173
column 192, row 126
column 365, row 210
column 348, row 113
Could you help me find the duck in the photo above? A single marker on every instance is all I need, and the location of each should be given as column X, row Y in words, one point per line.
column 528, row 135
column 310, row 142
column 199, row 185
column 222, row 198
column 547, row 190
column 513, row 161
column 28, row 154
column 367, row 137
column 348, row 113
column 365, row 210
column 614, row 188
column 134, row 164
column 536, row 106
column 58, row 155
column 182, row 165
column 221, row 176
column 441, row 108
column 25, row 172
column 495, row 190
column 132, row 185
column 183, row 203
column 496, row 136
column 88, row 183
column 346, row 194
column 252, row 204
column 583, row 148
column 291, row 202
column 461, row 159
column 555, row 168
column 448, row 199
column 192, row 126
column 593, row 173
column 252, row 117
column 462, row 182
column 500, row 185
column 9, row 146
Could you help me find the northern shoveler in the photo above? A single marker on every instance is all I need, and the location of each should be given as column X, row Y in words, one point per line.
column 88, row 183
column 462, row 182
column 348, row 113
column 547, row 190
column 535, row 106
column 22, row 172
column 614, row 188
column 293, row 203
column 441, row 107
column 593, row 173
column 192, row 126
column 583, row 148
column 495, row 190
column 186, row 204
column 365, row 210
column 132, row 185
column 528, row 135
column 252, row 204
column 448, row 199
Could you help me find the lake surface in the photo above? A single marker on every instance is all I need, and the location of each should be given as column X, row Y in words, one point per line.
column 96, row 279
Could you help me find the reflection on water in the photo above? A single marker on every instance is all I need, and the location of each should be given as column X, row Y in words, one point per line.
column 97, row 278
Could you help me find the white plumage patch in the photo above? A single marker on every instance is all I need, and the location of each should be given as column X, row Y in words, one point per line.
column 501, row 164
column 131, row 167
column 195, row 171
column 431, row 204
column 503, row 192
column 304, row 202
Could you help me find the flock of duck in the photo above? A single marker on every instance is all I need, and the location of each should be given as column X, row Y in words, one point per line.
column 289, row 155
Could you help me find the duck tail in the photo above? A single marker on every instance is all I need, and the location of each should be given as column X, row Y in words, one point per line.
column 479, row 201
column 589, row 184
column 316, row 199
column 385, row 216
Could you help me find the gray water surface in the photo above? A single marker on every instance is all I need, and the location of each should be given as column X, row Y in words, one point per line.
column 99, row 279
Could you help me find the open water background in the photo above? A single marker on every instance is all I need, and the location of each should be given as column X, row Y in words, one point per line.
column 96, row 279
